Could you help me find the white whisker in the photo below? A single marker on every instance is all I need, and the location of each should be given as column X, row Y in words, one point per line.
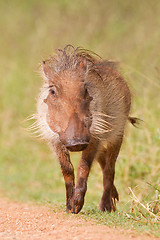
column 35, row 125
column 102, row 120
column 31, row 117
column 103, row 114
column 101, row 130
column 36, row 131
column 101, row 126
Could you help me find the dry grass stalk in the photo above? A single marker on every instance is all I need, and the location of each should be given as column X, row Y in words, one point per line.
column 141, row 204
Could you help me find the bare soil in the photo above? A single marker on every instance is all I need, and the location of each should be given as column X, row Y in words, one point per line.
column 26, row 221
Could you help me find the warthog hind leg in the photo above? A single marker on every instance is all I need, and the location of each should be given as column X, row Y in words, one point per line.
column 107, row 160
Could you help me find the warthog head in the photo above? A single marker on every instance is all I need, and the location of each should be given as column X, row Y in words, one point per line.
column 68, row 101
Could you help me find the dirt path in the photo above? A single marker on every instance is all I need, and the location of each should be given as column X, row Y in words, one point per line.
column 20, row 221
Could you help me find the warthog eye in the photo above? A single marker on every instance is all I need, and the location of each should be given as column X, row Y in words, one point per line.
column 85, row 93
column 52, row 91
column 87, row 96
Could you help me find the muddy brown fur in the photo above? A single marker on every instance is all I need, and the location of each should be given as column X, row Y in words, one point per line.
column 83, row 105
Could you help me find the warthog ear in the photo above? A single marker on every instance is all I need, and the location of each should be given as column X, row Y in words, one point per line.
column 48, row 71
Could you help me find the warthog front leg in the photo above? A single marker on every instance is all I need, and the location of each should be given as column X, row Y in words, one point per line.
column 107, row 160
column 68, row 174
column 82, row 175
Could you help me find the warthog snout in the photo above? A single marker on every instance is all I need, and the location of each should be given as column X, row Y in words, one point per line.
column 76, row 136
column 77, row 145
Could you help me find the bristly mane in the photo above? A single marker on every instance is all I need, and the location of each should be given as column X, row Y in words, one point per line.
column 69, row 58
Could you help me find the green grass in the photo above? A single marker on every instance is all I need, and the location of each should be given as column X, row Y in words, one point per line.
column 127, row 31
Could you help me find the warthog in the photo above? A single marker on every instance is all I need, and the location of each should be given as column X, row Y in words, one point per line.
column 83, row 106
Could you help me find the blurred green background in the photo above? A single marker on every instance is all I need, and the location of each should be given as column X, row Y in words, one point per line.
column 127, row 31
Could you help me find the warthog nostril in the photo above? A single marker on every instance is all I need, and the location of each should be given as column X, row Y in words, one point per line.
column 75, row 146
